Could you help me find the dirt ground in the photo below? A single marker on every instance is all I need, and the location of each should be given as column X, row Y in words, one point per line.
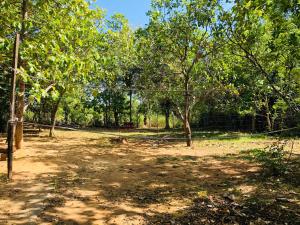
column 80, row 177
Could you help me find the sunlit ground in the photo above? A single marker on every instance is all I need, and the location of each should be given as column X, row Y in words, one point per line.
column 81, row 177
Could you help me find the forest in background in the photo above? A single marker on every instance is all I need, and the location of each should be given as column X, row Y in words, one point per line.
column 195, row 65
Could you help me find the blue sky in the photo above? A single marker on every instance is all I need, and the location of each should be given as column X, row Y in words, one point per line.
column 134, row 10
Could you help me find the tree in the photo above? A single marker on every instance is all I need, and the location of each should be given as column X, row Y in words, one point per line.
column 266, row 35
column 53, row 67
column 180, row 38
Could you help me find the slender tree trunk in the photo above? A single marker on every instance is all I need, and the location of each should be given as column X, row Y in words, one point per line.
column 106, row 118
column 145, row 119
column 11, row 122
column 167, row 117
column 105, row 115
column 53, row 116
column 41, row 111
column 173, row 120
column 273, row 123
column 109, row 110
column 268, row 113
column 269, row 124
column 130, row 106
column 20, row 115
column 138, row 120
column 40, row 115
column 187, row 127
column 20, row 96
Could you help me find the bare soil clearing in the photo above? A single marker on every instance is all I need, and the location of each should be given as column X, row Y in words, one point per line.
column 81, row 177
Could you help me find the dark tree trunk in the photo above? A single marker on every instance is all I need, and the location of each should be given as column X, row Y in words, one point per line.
column 167, row 117
column 145, row 119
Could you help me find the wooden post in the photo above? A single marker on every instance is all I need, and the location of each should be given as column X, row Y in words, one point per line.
column 11, row 122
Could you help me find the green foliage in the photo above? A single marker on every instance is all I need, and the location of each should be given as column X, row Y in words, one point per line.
column 274, row 158
column 242, row 62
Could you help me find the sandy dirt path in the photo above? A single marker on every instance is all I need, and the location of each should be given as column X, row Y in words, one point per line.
column 81, row 178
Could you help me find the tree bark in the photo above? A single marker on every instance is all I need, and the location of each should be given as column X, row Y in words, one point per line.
column 173, row 120
column 167, row 117
column 145, row 119
column 269, row 123
column 130, row 106
column 53, row 116
column 11, row 122
column 20, row 97
column 20, row 115
column 187, row 127
column 149, row 121
column 109, row 110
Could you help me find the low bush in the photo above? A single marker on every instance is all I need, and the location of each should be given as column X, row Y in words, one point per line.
column 274, row 158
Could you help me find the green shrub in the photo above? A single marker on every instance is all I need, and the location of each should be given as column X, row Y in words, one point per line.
column 274, row 158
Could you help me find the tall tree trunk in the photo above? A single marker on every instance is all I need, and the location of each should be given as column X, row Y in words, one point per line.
column 269, row 124
column 138, row 120
column 268, row 113
column 11, row 123
column 106, row 118
column 109, row 111
column 20, row 115
column 20, row 97
column 145, row 119
column 167, row 117
column 187, row 127
column 130, row 106
column 53, row 116
column 173, row 120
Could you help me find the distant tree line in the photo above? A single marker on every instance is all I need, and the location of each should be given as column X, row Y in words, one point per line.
column 205, row 64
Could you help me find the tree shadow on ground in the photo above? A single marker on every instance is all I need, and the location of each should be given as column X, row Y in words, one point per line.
column 168, row 134
column 97, row 182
